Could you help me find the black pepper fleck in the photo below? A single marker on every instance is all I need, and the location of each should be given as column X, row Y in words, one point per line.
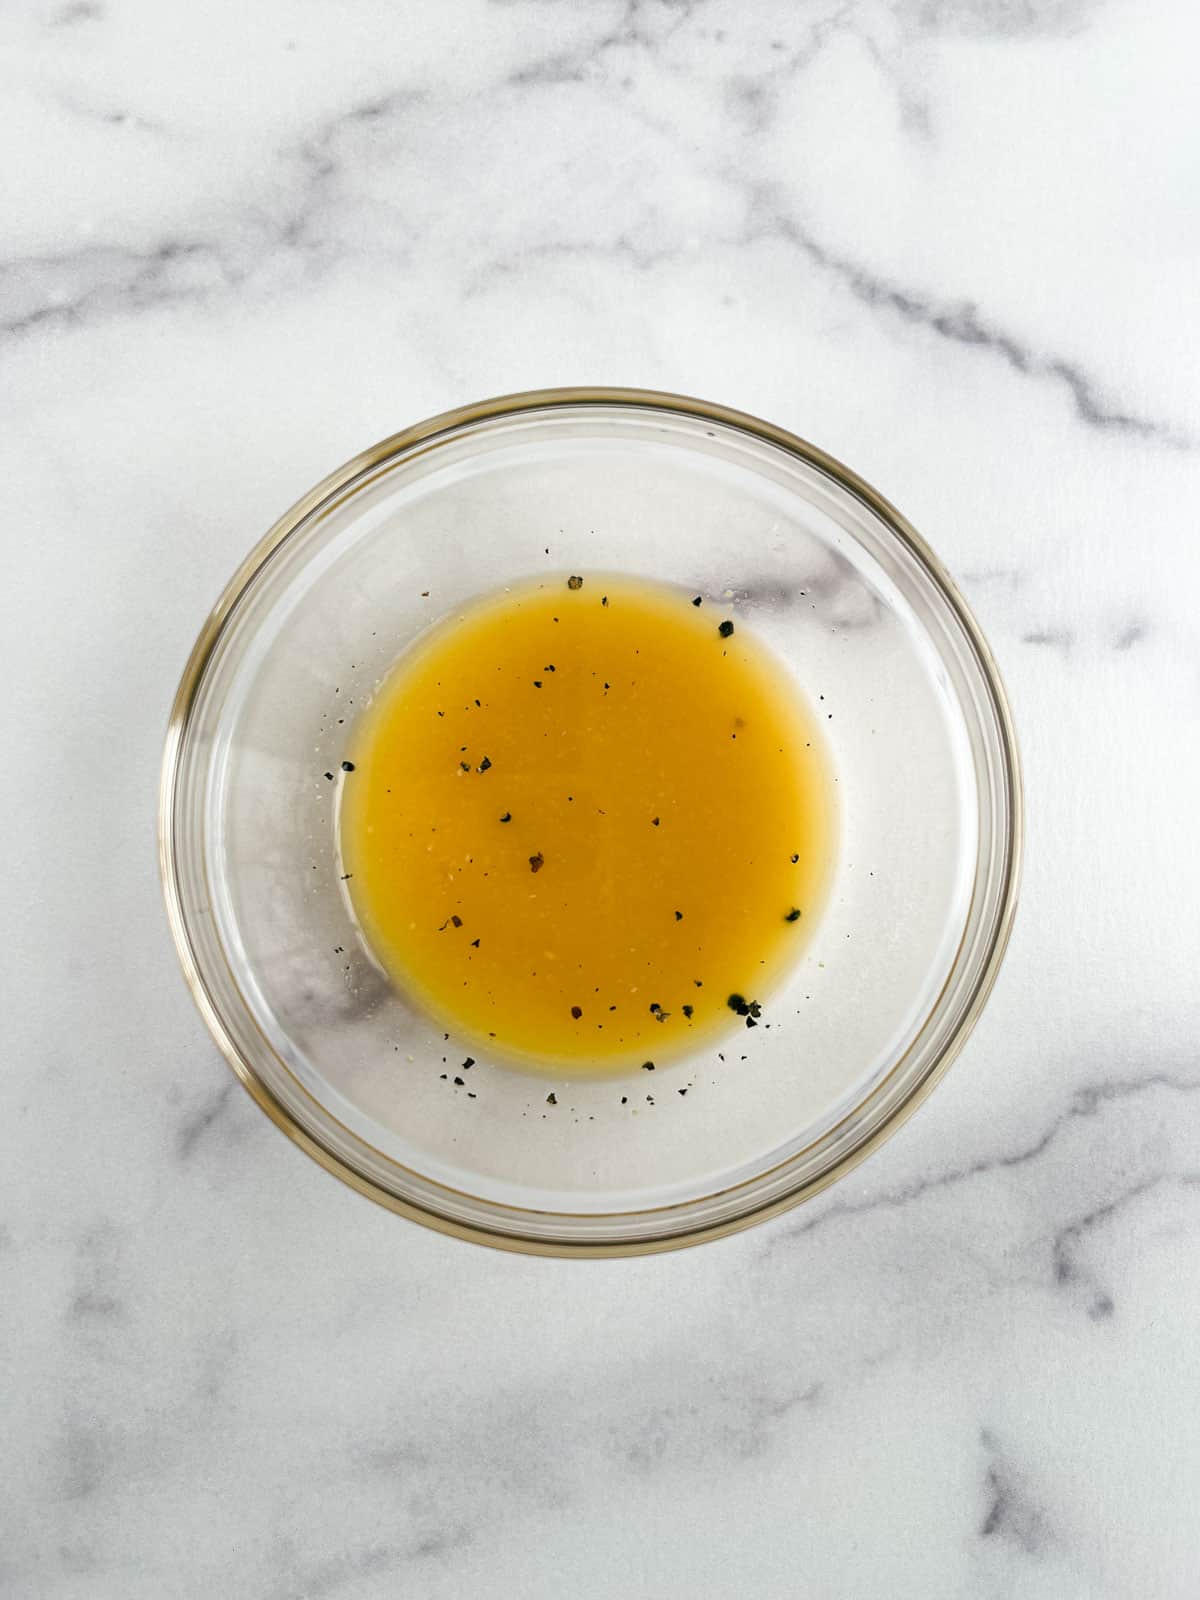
column 725, row 629
column 457, row 921
column 699, row 600
column 329, row 775
column 537, row 862
column 679, row 916
column 687, row 1011
column 576, row 1012
column 507, row 817
column 484, row 764
column 793, row 915
column 647, row 1066
column 551, row 1099
column 574, row 583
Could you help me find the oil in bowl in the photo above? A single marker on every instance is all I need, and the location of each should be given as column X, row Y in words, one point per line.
column 314, row 912
column 587, row 822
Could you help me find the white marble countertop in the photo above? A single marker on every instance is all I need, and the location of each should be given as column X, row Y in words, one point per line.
column 955, row 242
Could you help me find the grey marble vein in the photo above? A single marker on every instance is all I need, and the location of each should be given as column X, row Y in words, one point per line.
column 1001, row 19
column 1068, row 1239
column 70, row 288
column 76, row 12
column 197, row 1123
column 1087, row 1102
column 96, row 1297
column 85, row 1457
column 1061, row 639
column 1132, row 633
column 1012, row 1514
column 961, row 322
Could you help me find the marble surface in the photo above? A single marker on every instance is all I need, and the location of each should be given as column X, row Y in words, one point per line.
column 956, row 243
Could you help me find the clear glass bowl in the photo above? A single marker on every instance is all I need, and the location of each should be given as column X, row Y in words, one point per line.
column 847, row 596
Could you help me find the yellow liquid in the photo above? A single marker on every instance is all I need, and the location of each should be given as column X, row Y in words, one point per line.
column 580, row 820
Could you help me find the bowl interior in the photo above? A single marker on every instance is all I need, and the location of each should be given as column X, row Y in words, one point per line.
column 851, row 609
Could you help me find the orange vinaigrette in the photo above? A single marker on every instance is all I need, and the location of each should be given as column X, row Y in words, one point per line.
column 587, row 823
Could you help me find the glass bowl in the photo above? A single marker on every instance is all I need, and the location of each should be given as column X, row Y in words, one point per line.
column 852, row 603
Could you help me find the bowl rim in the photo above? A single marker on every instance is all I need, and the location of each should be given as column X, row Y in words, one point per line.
column 453, row 421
